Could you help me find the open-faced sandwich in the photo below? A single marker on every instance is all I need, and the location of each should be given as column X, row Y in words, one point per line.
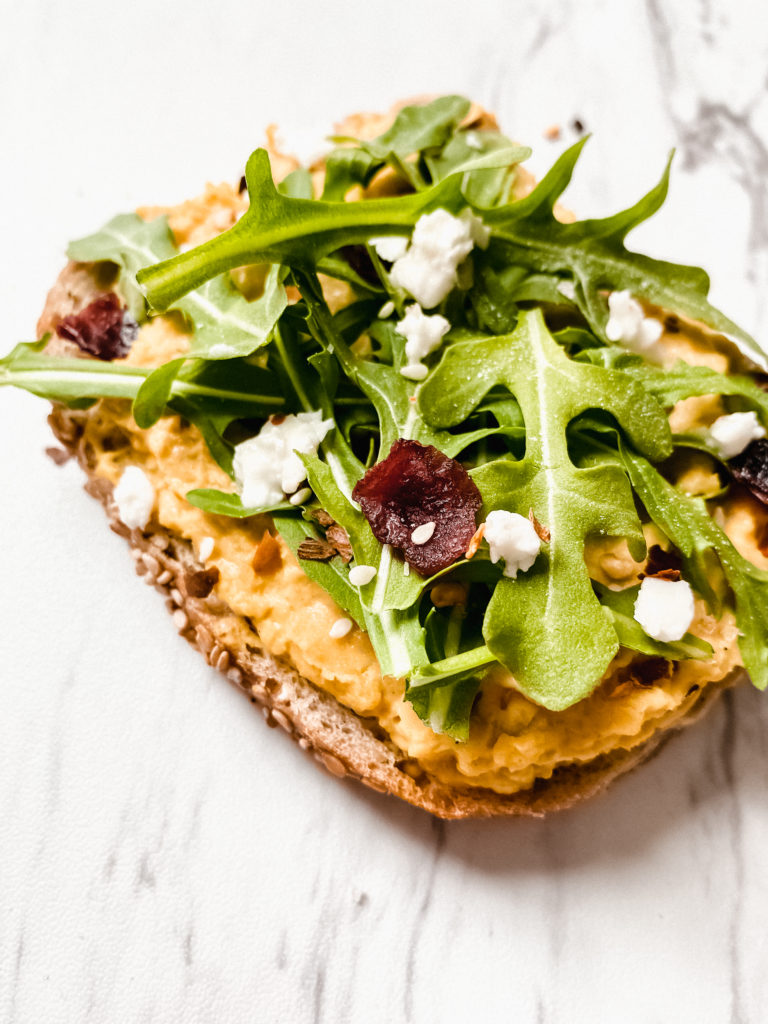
column 467, row 496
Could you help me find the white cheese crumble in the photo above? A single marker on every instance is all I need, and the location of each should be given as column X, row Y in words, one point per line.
column 135, row 498
column 439, row 244
column 629, row 325
column 416, row 372
column 359, row 575
column 390, row 247
column 267, row 467
column 512, row 537
column 664, row 608
column 479, row 232
column 423, row 334
column 423, row 533
column 205, row 550
column 568, row 289
column 386, row 310
column 340, row 628
column 733, row 433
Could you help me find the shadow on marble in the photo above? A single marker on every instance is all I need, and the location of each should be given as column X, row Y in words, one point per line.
column 710, row 769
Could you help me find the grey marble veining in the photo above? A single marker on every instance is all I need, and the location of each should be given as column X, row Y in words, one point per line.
column 164, row 857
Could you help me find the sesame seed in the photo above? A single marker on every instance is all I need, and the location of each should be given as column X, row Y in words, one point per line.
column 152, row 564
column 205, row 550
column 340, row 628
column 386, row 310
column 300, row 496
column 359, row 575
column 423, row 533
column 281, row 719
column 180, row 619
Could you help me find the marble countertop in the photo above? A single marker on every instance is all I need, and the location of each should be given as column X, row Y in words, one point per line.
column 164, row 856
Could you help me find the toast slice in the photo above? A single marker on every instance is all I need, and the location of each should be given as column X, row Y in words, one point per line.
column 343, row 742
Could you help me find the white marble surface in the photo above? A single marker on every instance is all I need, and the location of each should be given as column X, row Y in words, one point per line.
column 164, row 856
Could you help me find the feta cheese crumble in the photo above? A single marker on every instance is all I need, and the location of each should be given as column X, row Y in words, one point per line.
column 416, row 372
column 340, row 628
column 135, row 498
column 423, row 334
column 732, row 434
column 423, row 533
column 629, row 325
column 512, row 538
column 390, row 247
column 439, row 244
column 205, row 550
column 359, row 575
column 267, row 467
column 664, row 608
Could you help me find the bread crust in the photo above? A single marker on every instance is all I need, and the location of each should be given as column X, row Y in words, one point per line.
column 340, row 740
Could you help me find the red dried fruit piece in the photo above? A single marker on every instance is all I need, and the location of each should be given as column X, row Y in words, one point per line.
column 751, row 469
column 660, row 561
column 103, row 329
column 417, row 484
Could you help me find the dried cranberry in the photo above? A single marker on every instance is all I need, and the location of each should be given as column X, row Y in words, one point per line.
column 414, row 485
column 661, row 562
column 103, row 329
column 751, row 469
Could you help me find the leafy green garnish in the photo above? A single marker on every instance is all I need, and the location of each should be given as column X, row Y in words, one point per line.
column 592, row 254
column 546, row 626
column 564, row 424
column 279, row 229
column 619, row 605
column 688, row 524
column 224, row 503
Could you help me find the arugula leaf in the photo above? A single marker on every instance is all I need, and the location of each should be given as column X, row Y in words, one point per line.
column 547, row 626
column 446, row 709
column 297, row 232
column 687, row 523
column 226, row 503
column 593, row 252
column 226, row 324
column 620, row 606
column 131, row 243
column 416, row 128
column 211, row 395
column 686, row 381
column 486, row 159
column 155, row 393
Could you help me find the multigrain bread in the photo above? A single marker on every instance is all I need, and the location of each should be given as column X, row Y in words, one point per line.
column 341, row 740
